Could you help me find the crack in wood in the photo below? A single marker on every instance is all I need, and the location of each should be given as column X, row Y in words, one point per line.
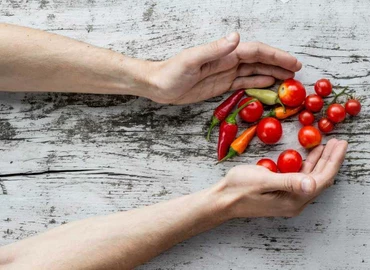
column 121, row 174
column 45, row 172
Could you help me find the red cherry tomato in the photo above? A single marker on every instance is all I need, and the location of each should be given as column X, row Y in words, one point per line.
column 353, row 107
column 323, row 87
column 306, row 118
column 292, row 93
column 269, row 130
column 309, row 137
column 268, row 163
column 252, row 112
column 314, row 103
column 325, row 125
column 336, row 113
column 289, row 161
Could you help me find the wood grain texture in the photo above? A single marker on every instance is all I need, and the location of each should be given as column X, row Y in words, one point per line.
column 66, row 156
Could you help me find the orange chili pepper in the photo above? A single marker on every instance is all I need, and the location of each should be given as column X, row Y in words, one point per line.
column 282, row 113
column 241, row 143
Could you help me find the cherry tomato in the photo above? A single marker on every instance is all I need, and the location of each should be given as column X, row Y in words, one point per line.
column 289, row 161
column 309, row 137
column 353, row 107
column 336, row 113
column 314, row 103
column 252, row 112
column 325, row 125
column 323, row 87
column 306, row 118
column 292, row 93
column 269, row 130
column 268, row 163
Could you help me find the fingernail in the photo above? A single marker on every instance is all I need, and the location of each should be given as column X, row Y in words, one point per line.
column 306, row 186
column 232, row 37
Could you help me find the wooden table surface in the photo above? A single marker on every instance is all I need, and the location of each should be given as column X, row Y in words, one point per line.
column 68, row 156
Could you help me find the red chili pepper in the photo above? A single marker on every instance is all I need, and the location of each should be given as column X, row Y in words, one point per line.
column 241, row 143
column 228, row 131
column 223, row 110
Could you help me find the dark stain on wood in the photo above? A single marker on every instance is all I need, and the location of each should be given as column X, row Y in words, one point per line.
column 7, row 131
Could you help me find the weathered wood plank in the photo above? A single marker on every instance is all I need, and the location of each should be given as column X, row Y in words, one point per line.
column 65, row 157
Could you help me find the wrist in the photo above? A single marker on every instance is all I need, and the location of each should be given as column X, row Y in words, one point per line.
column 134, row 76
column 222, row 201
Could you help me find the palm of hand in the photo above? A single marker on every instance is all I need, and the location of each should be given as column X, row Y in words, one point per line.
column 273, row 194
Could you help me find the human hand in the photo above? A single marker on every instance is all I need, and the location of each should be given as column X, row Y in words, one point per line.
column 209, row 70
column 254, row 191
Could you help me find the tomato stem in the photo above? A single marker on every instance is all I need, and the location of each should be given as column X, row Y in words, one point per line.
column 341, row 93
column 336, row 96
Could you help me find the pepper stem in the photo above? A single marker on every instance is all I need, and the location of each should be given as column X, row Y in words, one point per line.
column 282, row 105
column 231, row 118
column 269, row 114
column 230, row 154
column 214, row 122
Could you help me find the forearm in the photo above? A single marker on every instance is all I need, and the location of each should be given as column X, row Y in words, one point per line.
column 33, row 60
column 123, row 240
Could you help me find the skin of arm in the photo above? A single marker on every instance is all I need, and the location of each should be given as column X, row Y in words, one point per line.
column 128, row 239
column 34, row 60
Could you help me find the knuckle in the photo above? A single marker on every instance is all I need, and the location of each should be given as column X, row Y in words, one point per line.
column 288, row 183
column 273, row 54
column 257, row 43
column 183, row 55
column 214, row 48
column 262, row 186
column 232, row 173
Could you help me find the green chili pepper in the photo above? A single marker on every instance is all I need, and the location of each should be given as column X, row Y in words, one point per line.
column 267, row 97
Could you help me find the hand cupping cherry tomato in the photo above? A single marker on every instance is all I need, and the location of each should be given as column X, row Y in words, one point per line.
column 268, row 163
column 289, row 161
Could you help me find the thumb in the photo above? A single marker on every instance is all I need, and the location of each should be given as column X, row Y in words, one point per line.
column 200, row 55
column 292, row 182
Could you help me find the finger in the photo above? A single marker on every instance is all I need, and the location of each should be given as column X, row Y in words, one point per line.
column 326, row 178
column 298, row 183
column 253, row 82
column 197, row 56
column 252, row 52
column 263, row 69
column 312, row 159
column 329, row 147
column 219, row 65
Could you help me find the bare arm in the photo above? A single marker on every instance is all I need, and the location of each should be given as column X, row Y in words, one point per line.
column 33, row 60
column 125, row 240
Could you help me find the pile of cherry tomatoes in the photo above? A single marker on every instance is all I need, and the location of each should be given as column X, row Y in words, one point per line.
column 291, row 99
